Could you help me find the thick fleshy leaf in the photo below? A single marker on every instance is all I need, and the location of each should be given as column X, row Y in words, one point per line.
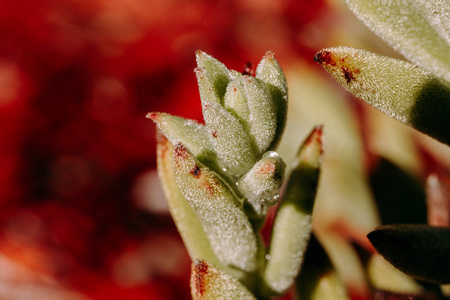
column 418, row 29
column 250, row 100
column 420, row 251
column 293, row 222
column 212, row 76
column 263, row 112
column 209, row 283
column 229, row 139
column 186, row 220
column 235, row 100
column 193, row 135
column 227, row 227
column 397, row 88
column 269, row 71
column 261, row 184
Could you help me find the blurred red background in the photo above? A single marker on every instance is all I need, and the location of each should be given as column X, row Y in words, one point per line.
column 81, row 212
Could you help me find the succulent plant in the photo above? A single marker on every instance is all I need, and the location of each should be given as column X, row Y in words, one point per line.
column 220, row 179
column 416, row 93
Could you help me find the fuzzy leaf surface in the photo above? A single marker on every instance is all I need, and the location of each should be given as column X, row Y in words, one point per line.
column 227, row 227
column 401, row 90
column 212, row 76
column 261, row 184
column 186, row 220
column 190, row 133
column 263, row 112
column 270, row 72
column 419, row 30
column 292, row 226
column 420, row 251
column 229, row 139
column 210, row 283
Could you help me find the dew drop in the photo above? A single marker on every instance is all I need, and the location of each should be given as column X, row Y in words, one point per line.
column 268, row 257
column 271, row 201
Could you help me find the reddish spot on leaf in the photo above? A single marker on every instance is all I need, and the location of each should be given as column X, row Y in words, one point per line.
column 199, row 274
column 315, row 137
column 195, row 171
column 268, row 168
column 214, row 134
column 153, row 116
column 324, row 58
column 248, row 69
column 180, row 151
column 349, row 75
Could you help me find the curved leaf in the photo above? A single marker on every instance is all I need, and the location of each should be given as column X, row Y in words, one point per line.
column 417, row 29
column 397, row 88
column 227, row 227
column 293, row 222
column 270, row 72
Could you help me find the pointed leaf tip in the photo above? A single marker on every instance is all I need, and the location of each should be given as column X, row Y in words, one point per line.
column 396, row 87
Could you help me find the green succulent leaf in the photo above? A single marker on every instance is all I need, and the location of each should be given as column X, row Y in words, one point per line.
column 293, row 222
column 186, row 220
column 210, row 283
column 212, row 76
column 419, row 30
column 270, row 72
column 261, row 184
column 229, row 139
column 263, row 112
column 420, row 251
column 190, row 133
column 399, row 89
column 227, row 227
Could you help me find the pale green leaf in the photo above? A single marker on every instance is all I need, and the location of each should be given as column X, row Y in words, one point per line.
column 231, row 142
column 399, row 89
column 263, row 112
column 212, row 76
column 186, row 220
column 193, row 135
column 227, row 227
column 417, row 29
column 210, row 283
column 270, row 72
column 261, row 184
column 292, row 226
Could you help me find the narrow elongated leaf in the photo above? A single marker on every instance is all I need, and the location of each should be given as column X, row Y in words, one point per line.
column 229, row 139
column 263, row 112
column 269, row 71
column 397, row 88
column 420, row 251
column 227, row 227
column 209, row 283
column 213, row 77
column 186, row 220
column 235, row 101
column 417, row 29
column 261, row 184
column 193, row 135
column 292, row 225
